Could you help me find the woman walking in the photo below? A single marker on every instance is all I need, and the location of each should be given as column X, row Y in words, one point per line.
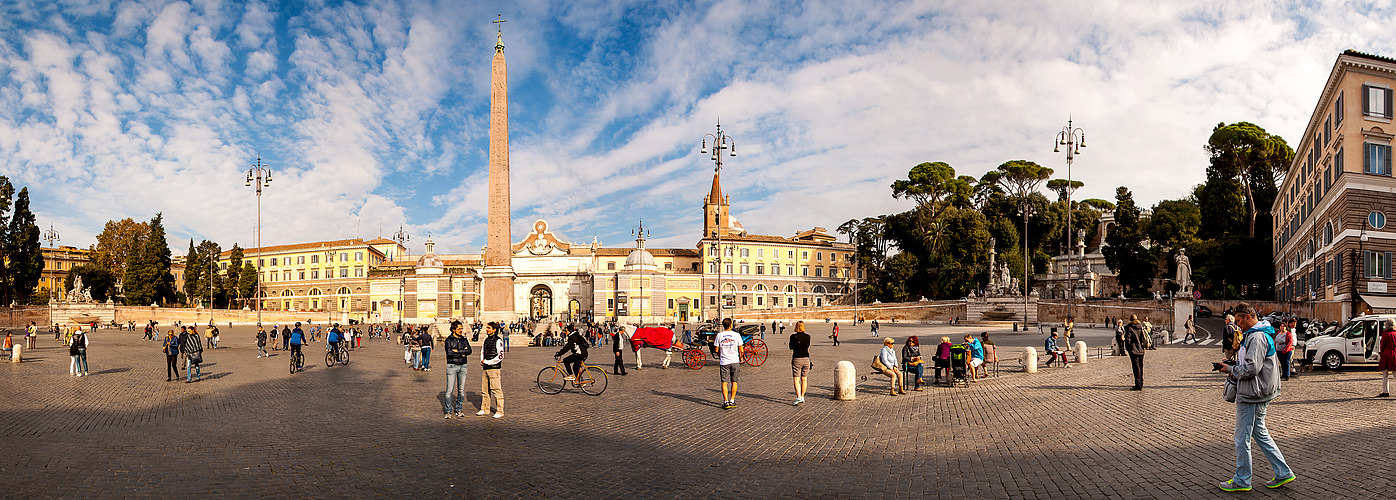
column 261, row 342
column 1386, row 361
column 171, row 348
column 77, row 350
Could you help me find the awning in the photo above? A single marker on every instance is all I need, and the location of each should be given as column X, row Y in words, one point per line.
column 1379, row 302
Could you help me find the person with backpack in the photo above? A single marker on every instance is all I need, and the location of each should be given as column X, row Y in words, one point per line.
column 1231, row 338
column 193, row 348
column 171, row 349
column 77, row 350
column 261, row 342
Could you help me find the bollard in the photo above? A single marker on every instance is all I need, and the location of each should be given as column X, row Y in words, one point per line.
column 1015, row 326
column 845, row 381
column 15, row 356
column 1030, row 359
column 1081, row 356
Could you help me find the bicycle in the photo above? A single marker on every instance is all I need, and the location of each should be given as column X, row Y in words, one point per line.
column 591, row 380
column 297, row 362
column 337, row 355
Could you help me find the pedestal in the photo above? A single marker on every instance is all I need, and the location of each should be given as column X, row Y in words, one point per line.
column 497, row 293
column 1182, row 308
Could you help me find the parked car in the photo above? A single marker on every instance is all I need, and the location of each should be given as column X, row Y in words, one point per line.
column 1354, row 343
column 1201, row 311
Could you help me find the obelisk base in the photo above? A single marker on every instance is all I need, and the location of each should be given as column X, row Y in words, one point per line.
column 497, row 294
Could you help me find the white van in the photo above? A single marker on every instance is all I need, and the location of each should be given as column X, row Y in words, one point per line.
column 1355, row 342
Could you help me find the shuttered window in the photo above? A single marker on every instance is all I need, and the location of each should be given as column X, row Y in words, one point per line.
column 1376, row 101
column 1338, row 110
column 1377, row 159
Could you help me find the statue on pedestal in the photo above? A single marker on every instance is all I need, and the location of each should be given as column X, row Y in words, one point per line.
column 1184, row 276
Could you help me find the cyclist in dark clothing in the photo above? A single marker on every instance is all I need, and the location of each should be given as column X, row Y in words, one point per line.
column 295, row 338
column 577, row 346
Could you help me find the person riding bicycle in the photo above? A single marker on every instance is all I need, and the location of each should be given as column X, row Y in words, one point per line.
column 577, row 346
column 334, row 338
column 296, row 338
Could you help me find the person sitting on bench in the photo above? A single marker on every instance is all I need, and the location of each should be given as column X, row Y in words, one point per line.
column 1051, row 347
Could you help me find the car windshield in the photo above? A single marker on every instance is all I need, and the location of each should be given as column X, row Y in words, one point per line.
column 1353, row 329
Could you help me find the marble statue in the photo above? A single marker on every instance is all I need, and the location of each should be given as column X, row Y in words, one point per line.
column 1184, row 277
column 75, row 295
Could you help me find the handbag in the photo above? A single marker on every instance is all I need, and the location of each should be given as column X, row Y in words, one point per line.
column 196, row 357
column 1229, row 390
column 877, row 364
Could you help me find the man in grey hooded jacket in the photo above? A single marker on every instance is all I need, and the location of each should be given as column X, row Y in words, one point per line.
column 1257, row 378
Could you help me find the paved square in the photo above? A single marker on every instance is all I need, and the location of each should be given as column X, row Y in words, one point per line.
column 375, row 428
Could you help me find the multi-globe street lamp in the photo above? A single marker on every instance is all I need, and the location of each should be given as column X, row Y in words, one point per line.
column 1025, row 209
column 51, row 236
column 259, row 175
column 640, row 233
column 1074, row 139
column 723, row 145
column 402, row 238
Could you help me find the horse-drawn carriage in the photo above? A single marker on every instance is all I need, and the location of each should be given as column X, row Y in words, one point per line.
column 753, row 352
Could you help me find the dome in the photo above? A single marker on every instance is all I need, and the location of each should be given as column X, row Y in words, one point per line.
column 429, row 263
column 640, row 259
column 430, row 260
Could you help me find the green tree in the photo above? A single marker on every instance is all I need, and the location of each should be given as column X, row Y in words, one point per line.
column 99, row 279
column 1253, row 157
column 210, row 287
column 118, row 243
column 247, row 281
column 232, row 278
column 1174, row 223
column 1126, row 254
column 22, row 249
column 7, row 192
column 147, row 277
column 193, row 274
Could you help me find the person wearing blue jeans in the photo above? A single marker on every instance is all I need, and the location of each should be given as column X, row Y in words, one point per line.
column 425, row 339
column 458, row 353
column 1257, row 381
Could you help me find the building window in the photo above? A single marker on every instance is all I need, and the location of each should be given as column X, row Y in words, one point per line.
column 314, row 259
column 1327, row 129
column 611, row 266
column 743, row 300
column 1377, row 160
column 758, row 300
column 1377, row 101
column 804, row 255
column 746, row 252
column 712, row 268
column 610, row 303
column 729, row 268
column 671, row 303
column 775, row 269
column 804, row 301
column 789, row 254
column 344, row 257
column 1377, row 264
column 300, row 275
column 804, row 270
column 1338, row 110
column 359, row 256
column 1376, row 220
column 358, row 272
column 760, row 252
column 273, row 261
column 712, row 250
column 286, row 276
column 789, row 270
column 760, row 269
column 668, row 266
column 818, row 272
column 746, row 269
column 300, row 259
column 818, row 255
column 344, row 272
column 457, row 305
column 712, row 301
column 314, row 274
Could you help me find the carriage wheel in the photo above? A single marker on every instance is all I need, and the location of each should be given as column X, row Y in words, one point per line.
column 754, row 352
column 694, row 358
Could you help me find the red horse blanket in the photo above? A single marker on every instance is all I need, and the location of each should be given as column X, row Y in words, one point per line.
column 657, row 337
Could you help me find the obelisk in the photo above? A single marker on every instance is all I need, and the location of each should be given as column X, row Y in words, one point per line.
column 497, row 293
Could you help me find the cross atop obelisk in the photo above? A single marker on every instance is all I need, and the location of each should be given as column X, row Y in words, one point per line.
column 499, row 44
column 498, row 273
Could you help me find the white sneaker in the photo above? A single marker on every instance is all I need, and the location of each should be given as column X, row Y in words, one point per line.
column 482, row 412
column 498, row 415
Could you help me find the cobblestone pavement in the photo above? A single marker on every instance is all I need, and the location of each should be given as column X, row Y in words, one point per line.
column 375, row 428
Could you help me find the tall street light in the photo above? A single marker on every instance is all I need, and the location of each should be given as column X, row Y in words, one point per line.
column 1359, row 260
column 1025, row 209
column 1074, row 139
column 402, row 238
column 52, row 236
column 723, row 145
column 640, row 233
column 259, row 175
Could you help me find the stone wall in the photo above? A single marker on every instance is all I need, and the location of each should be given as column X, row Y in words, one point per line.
column 928, row 311
column 1326, row 310
column 1095, row 312
column 20, row 316
column 169, row 315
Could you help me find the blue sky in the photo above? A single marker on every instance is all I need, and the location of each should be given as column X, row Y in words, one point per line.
column 375, row 114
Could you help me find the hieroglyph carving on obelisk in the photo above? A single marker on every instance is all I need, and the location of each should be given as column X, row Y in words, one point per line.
column 498, row 274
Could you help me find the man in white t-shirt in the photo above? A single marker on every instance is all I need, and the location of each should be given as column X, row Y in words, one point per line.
column 729, row 345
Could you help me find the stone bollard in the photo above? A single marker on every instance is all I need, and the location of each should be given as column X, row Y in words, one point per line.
column 1081, row 355
column 845, row 381
column 1030, row 359
column 15, row 356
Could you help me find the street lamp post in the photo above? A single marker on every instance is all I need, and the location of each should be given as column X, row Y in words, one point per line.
column 52, row 236
column 640, row 233
column 1358, row 260
column 1074, row 139
column 723, row 145
column 402, row 238
column 260, row 176
column 1026, row 210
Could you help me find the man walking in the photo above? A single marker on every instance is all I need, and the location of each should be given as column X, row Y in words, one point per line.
column 491, row 357
column 1134, row 346
column 457, row 355
column 1257, row 381
column 1231, row 338
column 619, row 368
column 729, row 346
column 424, row 338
